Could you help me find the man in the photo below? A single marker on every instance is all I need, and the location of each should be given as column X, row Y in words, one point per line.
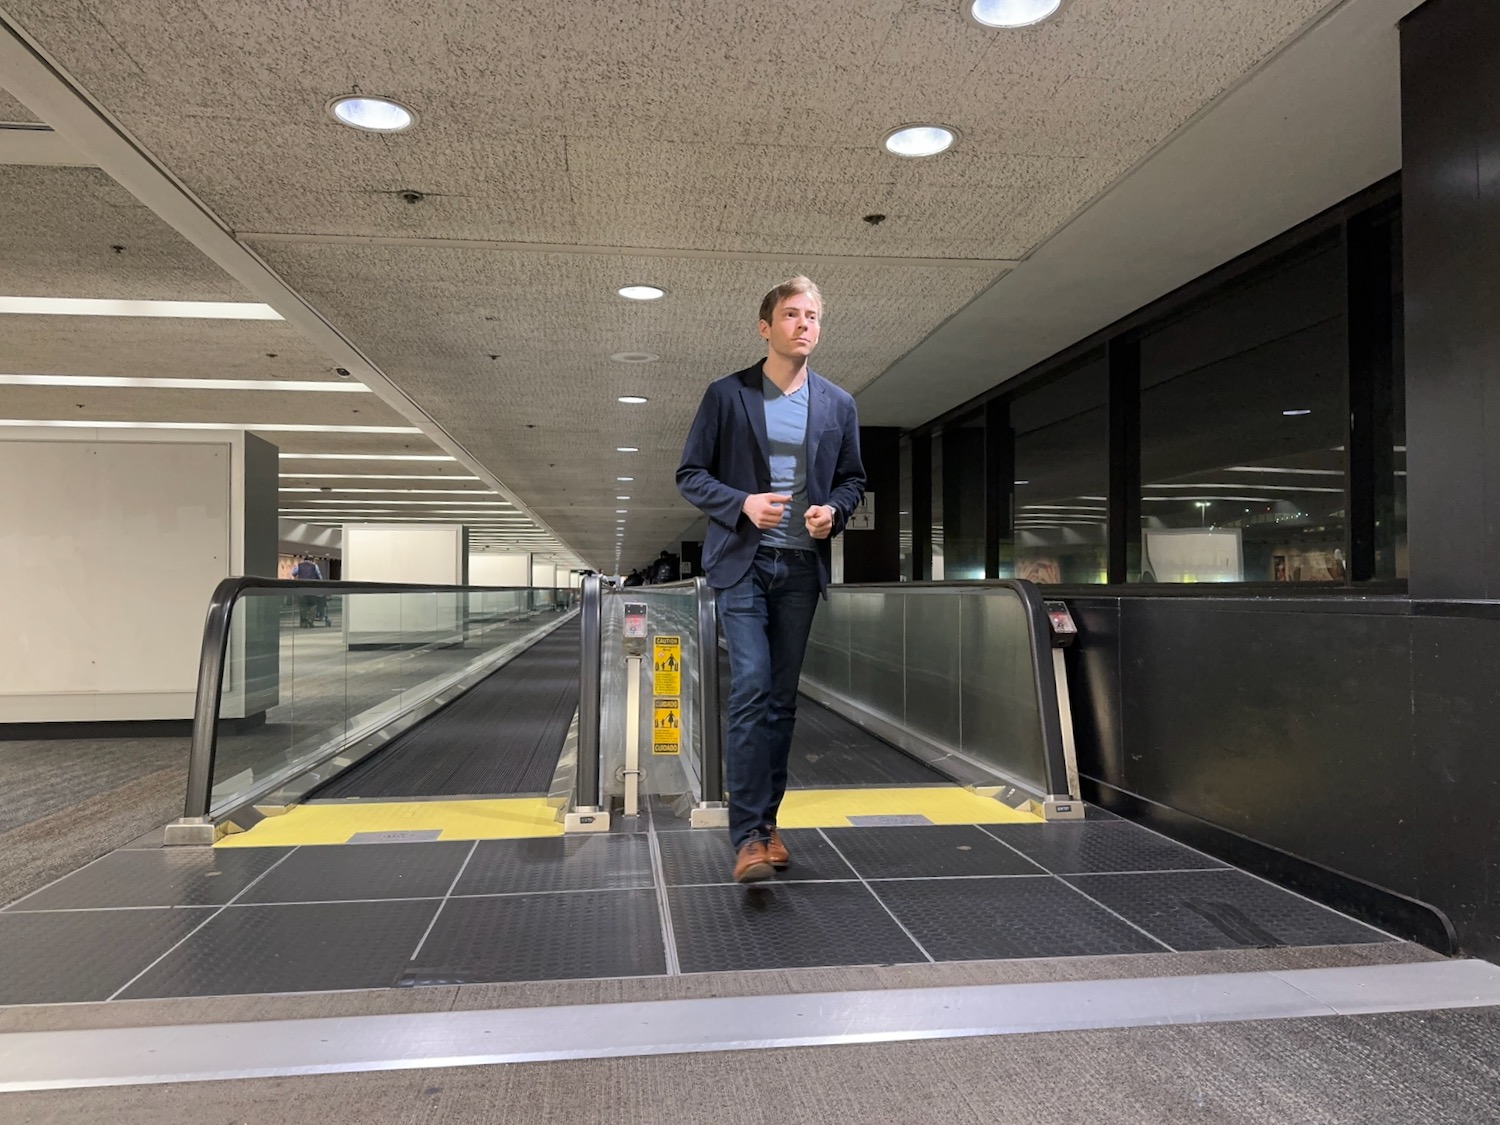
column 773, row 461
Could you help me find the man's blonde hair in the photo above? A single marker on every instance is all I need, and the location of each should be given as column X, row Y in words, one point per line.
column 787, row 288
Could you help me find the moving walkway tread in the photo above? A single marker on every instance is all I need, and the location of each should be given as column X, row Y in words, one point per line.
column 829, row 751
column 502, row 736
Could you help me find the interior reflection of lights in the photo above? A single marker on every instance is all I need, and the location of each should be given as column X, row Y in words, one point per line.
column 183, row 384
column 1262, row 487
column 371, row 114
column 80, row 424
column 1061, row 507
column 1011, row 13
column 1298, row 413
column 90, row 306
column 366, row 457
column 1289, row 472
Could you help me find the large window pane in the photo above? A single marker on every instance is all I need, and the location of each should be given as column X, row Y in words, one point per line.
column 1062, row 478
column 1243, row 428
column 958, row 500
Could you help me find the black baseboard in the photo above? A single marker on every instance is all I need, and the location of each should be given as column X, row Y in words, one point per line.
column 1406, row 917
column 120, row 728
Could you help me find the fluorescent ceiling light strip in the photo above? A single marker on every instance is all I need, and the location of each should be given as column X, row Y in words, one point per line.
column 419, row 491
column 449, row 504
column 79, row 424
column 90, row 306
column 366, row 457
column 1243, row 499
column 1061, row 507
column 372, row 476
column 183, row 384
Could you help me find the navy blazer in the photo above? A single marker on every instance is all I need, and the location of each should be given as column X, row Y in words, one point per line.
column 727, row 458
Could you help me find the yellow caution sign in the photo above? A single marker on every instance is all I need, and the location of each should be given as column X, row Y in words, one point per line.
column 666, row 727
column 666, row 668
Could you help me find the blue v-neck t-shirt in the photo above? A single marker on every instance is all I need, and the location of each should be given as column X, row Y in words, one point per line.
column 786, row 427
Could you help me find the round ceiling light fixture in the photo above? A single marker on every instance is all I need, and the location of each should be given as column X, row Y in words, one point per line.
column 372, row 115
column 635, row 357
column 641, row 292
column 1011, row 13
column 916, row 141
column 633, row 400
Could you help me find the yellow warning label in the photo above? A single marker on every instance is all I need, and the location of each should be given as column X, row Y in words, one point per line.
column 666, row 727
column 666, row 669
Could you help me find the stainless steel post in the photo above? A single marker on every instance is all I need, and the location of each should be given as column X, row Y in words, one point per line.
column 587, row 814
column 711, row 811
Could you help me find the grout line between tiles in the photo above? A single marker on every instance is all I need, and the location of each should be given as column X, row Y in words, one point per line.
column 911, row 936
column 177, row 944
column 438, row 913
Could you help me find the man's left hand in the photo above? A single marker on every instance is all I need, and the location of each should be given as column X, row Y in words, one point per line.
column 819, row 520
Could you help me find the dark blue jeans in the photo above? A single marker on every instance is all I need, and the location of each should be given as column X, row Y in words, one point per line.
column 765, row 617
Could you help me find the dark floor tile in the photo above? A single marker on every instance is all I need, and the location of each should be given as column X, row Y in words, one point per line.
column 924, row 853
column 70, row 957
column 705, row 857
column 253, row 949
column 543, row 937
column 342, row 872
column 1222, row 910
column 784, row 925
column 984, row 919
column 557, row 863
column 163, row 877
column 1071, row 847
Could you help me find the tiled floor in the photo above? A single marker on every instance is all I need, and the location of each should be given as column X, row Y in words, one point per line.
column 160, row 923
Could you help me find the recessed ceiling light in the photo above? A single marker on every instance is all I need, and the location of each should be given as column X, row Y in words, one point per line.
column 633, row 400
column 621, row 511
column 641, row 292
column 624, row 478
column 372, row 115
column 920, row 140
column 627, row 449
column 622, row 497
column 1295, row 413
column 1023, row 482
column 635, row 357
column 1011, row 13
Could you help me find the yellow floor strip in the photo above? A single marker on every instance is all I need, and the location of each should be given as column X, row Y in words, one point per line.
column 508, row 818
column 832, row 808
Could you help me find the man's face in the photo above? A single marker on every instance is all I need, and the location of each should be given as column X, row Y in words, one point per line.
column 792, row 330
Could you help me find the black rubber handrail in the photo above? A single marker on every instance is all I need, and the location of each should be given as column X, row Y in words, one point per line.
column 1039, row 634
column 216, row 647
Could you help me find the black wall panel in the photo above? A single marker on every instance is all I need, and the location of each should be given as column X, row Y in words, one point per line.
column 1356, row 736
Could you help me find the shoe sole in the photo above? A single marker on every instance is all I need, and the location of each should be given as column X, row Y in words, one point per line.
column 781, row 866
column 755, row 873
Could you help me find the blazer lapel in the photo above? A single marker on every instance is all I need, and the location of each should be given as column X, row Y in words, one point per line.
column 817, row 417
column 753, row 400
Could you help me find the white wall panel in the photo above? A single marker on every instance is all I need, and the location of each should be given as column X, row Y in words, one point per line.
column 500, row 568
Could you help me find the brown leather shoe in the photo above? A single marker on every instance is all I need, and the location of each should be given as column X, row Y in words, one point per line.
column 751, row 865
column 775, row 850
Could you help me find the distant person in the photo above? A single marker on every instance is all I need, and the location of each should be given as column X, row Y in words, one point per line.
column 664, row 569
column 310, row 607
column 773, row 461
column 634, row 578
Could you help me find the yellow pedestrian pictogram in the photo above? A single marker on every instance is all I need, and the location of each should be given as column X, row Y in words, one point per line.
column 666, row 727
column 666, row 668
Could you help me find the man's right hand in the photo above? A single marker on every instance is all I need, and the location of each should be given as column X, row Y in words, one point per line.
column 766, row 509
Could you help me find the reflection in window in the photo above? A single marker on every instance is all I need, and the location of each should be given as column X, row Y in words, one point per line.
column 1060, row 512
column 1243, row 430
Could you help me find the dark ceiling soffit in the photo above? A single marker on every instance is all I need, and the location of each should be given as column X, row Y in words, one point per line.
column 1242, row 270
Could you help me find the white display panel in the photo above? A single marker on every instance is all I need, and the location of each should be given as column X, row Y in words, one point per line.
column 434, row 555
column 1193, row 555
column 110, row 552
column 500, row 568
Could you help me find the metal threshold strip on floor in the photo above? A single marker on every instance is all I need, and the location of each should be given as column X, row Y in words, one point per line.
column 132, row 1056
column 512, row 818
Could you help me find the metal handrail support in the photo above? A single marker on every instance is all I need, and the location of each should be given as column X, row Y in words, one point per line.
column 712, row 812
column 196, row 826
column 588, row 814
